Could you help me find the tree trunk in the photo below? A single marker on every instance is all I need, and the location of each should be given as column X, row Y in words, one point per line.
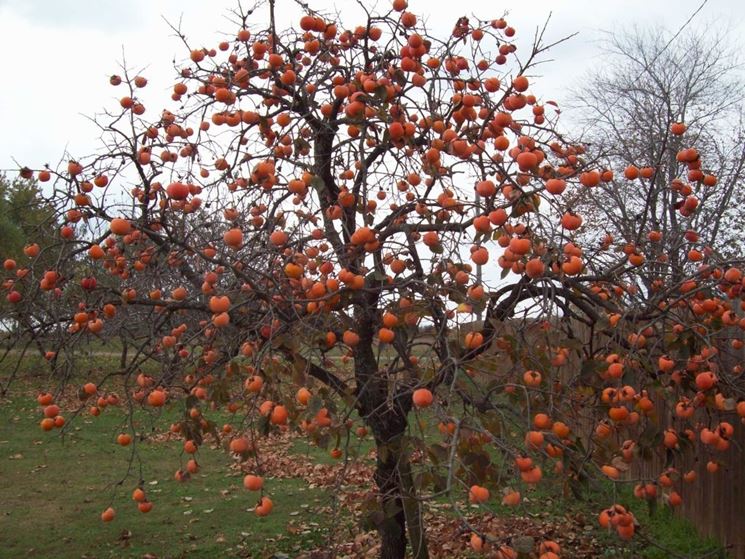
column 412, row 511
column 398, row 498
column 392, row 529
column 387, row 417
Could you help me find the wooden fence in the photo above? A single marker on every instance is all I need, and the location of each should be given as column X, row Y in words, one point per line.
column 715, row 502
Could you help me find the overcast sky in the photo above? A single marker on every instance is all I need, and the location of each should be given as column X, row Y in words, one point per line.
column 58, row 54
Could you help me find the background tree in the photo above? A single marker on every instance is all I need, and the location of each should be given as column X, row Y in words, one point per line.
column 650, row 80
column 316, row 193
column 24, row 215
column 28, row 227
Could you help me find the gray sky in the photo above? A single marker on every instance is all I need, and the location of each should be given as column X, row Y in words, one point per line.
column 58, row 54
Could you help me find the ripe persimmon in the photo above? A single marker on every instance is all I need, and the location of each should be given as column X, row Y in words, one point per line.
column 138, row 495
column 278, row 238
column 120, row 226
column 386, row 335
column 254, row 384
column 253, row 482
column 474, row 340
column 422, row 397
column 156, row 398
column 303, row 396
column 178, row 191
column 265, row 506
column 279, row 415
column 145, row 506
column 221, row 320
column 219, row 304
column 240, row 445
column 233, row 238
column 51, row 411
column 476, row 542
column 534, row 268
column 350, row 338
column 478, row 494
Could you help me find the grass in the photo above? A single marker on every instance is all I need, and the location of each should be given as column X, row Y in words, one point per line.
column 674, row 533
column 356, row 449
column 661, row 532
column 53, row 490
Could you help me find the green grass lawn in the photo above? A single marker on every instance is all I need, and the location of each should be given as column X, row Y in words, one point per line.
column 53, row 491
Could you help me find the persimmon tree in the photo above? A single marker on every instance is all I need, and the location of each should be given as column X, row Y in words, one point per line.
column 307, row 234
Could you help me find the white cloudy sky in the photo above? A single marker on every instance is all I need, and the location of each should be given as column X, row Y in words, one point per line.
column 58, row 54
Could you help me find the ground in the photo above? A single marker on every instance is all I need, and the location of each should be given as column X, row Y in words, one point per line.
column 53, row 489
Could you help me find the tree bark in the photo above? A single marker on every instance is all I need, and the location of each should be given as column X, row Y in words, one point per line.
column 412, row 511
column 387, row 418
column 392, row 529
column 398, row 496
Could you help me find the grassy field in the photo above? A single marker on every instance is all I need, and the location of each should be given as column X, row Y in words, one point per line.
column 53, row 490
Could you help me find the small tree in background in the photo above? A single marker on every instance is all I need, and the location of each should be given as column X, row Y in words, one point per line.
column 651, row 83
column 28, row 228
column 24, row 216
column 315, row 199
